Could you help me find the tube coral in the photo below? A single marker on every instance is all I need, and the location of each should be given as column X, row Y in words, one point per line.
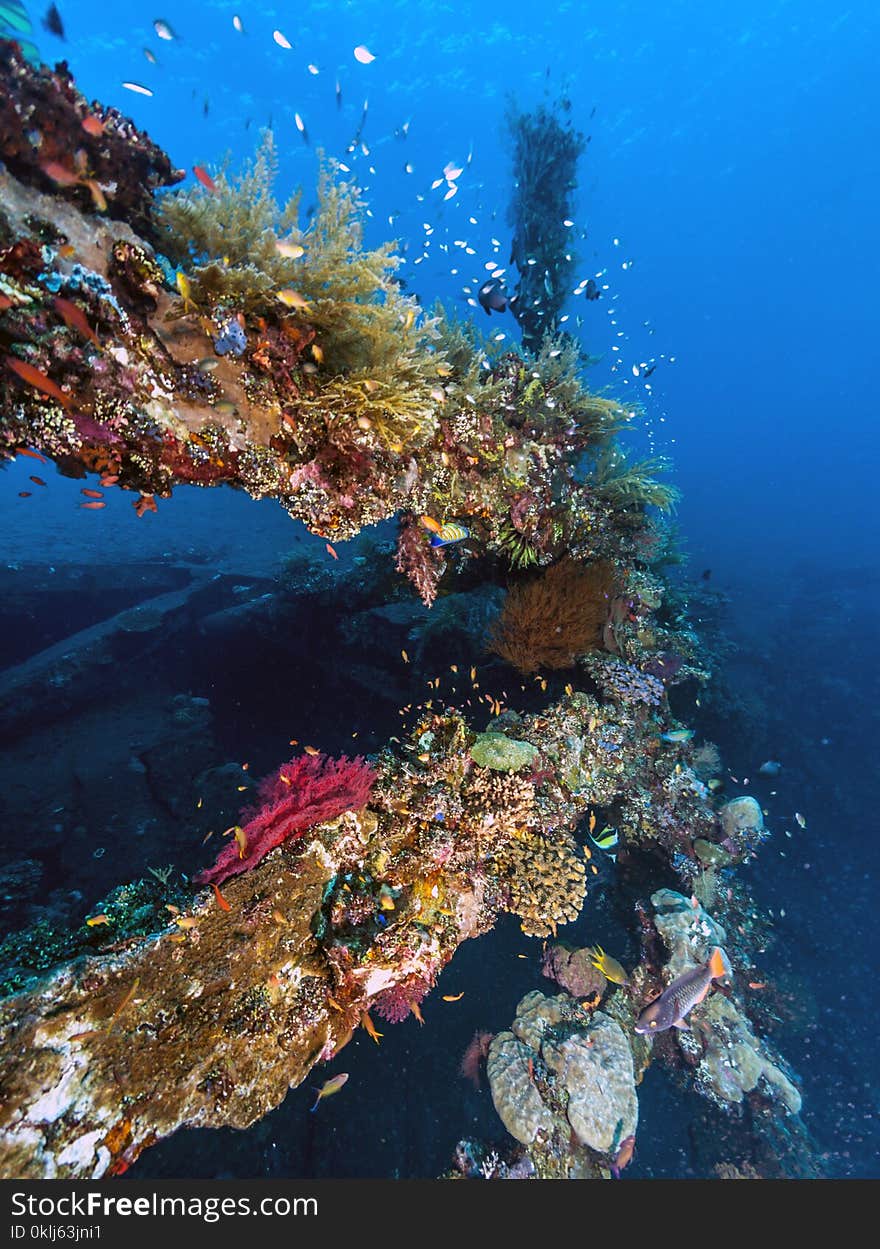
column 549, row 621
column 302, row 793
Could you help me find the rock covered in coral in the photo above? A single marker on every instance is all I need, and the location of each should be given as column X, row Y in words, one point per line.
column 560, row 1071
column 624, row 682
column 573, row 970
column 502, row 753
column 41, row 121
column 742, row 822
column 689, row 932
column 730, row 1060
column 735, row 1062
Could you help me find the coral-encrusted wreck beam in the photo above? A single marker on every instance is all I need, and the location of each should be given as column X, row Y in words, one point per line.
column 229, row 1000
column 203, row 337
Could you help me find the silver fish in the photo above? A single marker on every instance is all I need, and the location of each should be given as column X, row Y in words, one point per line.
column 679, row 998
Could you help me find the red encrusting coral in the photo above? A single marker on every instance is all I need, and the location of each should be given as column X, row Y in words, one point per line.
column 304, row 792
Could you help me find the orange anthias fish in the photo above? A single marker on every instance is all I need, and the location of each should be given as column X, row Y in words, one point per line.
column 369, row 1027
column 93, row 506
column 38, row 481
column 35, row 455
column 92, row 494
column 624, row 1156
column 433, row 525
column 221, row 901
column 75, row 319
column 93, row 125
column 329, row 1087
column 330, row 551
column 60, row 173
column 205, row 178
column 38, row 380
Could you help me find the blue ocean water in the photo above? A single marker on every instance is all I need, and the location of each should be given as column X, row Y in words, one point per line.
column 727, row 203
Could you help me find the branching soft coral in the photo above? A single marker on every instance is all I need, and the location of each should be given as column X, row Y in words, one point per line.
column 548, row 621
column 242, row 249
column 626, row 483
column 302, row 793
column 418, row 560
column 400, row 1000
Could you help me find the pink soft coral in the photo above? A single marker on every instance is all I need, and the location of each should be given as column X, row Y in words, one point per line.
column 417, row 560
column 398, row 1001
column 299, row 795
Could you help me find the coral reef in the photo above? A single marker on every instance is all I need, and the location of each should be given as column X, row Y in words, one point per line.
column 206, row 337
column 549, row 621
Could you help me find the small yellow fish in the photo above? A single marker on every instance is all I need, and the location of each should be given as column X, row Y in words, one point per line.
column 608, row 966
column 418, row 1014
column 592, row 821
column 186, row 921
column 317, row 354
column 404, row 657
column 292, row 299
column 241, row 838
column 97, row 919
column 329, row 1087
column 278, row 918
column 450, row 997
column 290, row 251
column 183, row 285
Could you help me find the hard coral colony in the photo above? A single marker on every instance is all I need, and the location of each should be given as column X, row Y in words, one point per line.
column 213, row 339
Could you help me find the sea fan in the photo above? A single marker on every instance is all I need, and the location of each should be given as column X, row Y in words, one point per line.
column 474, row 1057
column 302, row 793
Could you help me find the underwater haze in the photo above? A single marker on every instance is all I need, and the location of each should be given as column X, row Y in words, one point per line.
column 726, row 209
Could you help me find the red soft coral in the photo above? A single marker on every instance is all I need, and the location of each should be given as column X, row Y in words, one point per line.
column 299, row 795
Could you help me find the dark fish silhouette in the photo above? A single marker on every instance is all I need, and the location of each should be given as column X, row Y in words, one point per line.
column 591, row 290
column 492, row 296
column 706, row 574
column 53, row 23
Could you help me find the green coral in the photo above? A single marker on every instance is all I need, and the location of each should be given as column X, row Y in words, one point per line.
column 627, row 483
column 502, row 753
